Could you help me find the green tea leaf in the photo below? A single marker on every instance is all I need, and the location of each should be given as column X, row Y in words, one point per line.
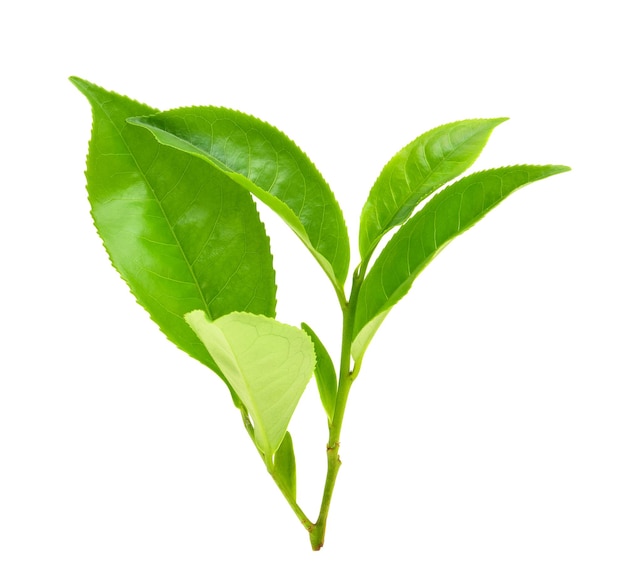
column 285, row 465
column 364, row 337
column 447, row 215
column 267, row 363
column 263, row 160
column 416, row 171
column 180, row 234
column 325, row 374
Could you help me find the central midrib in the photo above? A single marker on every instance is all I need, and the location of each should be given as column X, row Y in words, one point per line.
column 169, row 224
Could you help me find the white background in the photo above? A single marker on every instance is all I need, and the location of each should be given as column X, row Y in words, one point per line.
column 486, row 437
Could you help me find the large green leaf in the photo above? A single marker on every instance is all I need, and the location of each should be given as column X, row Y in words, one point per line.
column 267, row 163
column 447, row 215
column 181, row 235
column 267, row 363
column 416, row 171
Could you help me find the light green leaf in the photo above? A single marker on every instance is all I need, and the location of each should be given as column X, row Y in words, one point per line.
column 447, row 215
column 267, row 363
column 263, row 160
column 285, row 466
column 180, row 234
column 325, row 374
column 416, row 171
column 365, row 336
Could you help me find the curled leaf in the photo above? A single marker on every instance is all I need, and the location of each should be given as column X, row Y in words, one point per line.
column 263, row 160
column 267, row 363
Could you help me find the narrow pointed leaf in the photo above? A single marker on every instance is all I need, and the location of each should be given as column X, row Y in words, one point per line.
column 447, row 215
column 180, row 234
column 325, row 374
column 364, row 337
column 267, row 363
column 416, row 171
column 285, row 465
column 264, row 161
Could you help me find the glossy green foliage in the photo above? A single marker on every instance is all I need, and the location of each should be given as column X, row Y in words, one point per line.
column 263, row 160
column 181, row 234
column 170, row 194
column 447, row 215
column 416, row 171
column 267, row 363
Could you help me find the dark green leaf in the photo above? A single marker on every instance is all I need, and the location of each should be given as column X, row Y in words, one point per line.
column 447, row 215
column 181, row 235
column 285, row 465
column 263, row 160
column 416, row 171
column 325, row 374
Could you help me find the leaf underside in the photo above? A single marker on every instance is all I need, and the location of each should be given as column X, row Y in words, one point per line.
column 267, row 363
column 180, row 234
column 263, row 160
column 448, row 214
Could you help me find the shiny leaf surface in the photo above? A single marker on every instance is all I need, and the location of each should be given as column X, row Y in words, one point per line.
column 180, row 234
column 416, row 171
column 263, row 160
column 447, row 215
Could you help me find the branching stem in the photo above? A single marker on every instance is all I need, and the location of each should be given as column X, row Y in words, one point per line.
column 347, row 375
column 346, row 378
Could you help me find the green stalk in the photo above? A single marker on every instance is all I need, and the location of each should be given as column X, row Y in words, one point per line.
column 346, row 378
column 304, row 520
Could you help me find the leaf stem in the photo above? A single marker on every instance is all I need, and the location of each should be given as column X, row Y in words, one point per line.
column 304, row 520
column 346, row 378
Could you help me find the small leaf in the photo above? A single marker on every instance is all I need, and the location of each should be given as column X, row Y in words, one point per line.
column 263, row 160
column 416, row 171
column 447, row 215
column 180, row 234
column 285, row 465
column 325, row 374
column 365, row 336
column 267, row 363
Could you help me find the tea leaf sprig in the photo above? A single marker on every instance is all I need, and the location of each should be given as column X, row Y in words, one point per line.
column 172, row 196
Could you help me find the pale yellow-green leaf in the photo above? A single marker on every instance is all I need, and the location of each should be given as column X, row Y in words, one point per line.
column 267, row 363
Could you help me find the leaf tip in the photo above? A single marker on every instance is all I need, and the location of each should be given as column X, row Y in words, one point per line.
column 194, row 316
column 493, row 122
column 501, row 119
column 82, row 85
column 554, row 169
